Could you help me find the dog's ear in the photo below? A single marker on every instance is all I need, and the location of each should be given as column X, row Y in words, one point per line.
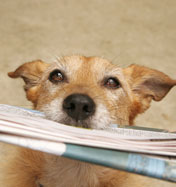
column 31, row 73
column 147, row 84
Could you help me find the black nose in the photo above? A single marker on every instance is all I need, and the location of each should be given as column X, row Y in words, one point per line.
column 79, row 106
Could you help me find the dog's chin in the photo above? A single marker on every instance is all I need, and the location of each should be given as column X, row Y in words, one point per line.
column 99, row 122
column 66, row 120
column 80, row 123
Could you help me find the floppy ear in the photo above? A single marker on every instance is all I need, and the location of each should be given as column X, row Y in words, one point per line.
column 147, row 84
column 31, row 73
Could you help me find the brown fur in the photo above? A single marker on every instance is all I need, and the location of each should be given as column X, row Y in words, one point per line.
column 139, row 86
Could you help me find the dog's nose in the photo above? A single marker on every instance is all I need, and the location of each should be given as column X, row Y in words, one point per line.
column 79, row 106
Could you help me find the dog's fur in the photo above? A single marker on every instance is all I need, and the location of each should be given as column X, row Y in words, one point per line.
column 84, row 75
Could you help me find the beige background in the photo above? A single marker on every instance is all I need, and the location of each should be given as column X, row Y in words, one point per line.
column 124, row 31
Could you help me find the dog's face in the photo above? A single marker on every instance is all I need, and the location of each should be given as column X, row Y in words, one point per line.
column 91, row 92
column 84, row 92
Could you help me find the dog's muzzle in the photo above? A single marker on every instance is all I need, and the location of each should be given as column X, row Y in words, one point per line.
column 79, row 106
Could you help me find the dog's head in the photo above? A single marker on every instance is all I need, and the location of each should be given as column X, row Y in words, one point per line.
column 90, row 91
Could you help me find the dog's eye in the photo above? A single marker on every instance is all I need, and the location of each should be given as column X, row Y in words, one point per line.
column 112, row 83
column 56, row 76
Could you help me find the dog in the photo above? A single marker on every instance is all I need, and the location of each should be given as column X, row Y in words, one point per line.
column 87, row 92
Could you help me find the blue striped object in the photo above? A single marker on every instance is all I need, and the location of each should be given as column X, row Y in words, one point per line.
column 130, row 162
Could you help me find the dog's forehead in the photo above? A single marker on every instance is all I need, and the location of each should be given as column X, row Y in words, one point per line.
column 80, row 65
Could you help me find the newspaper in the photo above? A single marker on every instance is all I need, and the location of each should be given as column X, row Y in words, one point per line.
column 146, row 149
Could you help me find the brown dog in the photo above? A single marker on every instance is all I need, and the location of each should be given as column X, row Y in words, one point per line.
column 82, row 91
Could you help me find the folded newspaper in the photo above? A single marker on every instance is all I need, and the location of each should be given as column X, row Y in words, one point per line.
column 145, row 151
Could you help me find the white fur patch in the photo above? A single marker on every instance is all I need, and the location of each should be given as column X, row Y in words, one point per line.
column 101, row 119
